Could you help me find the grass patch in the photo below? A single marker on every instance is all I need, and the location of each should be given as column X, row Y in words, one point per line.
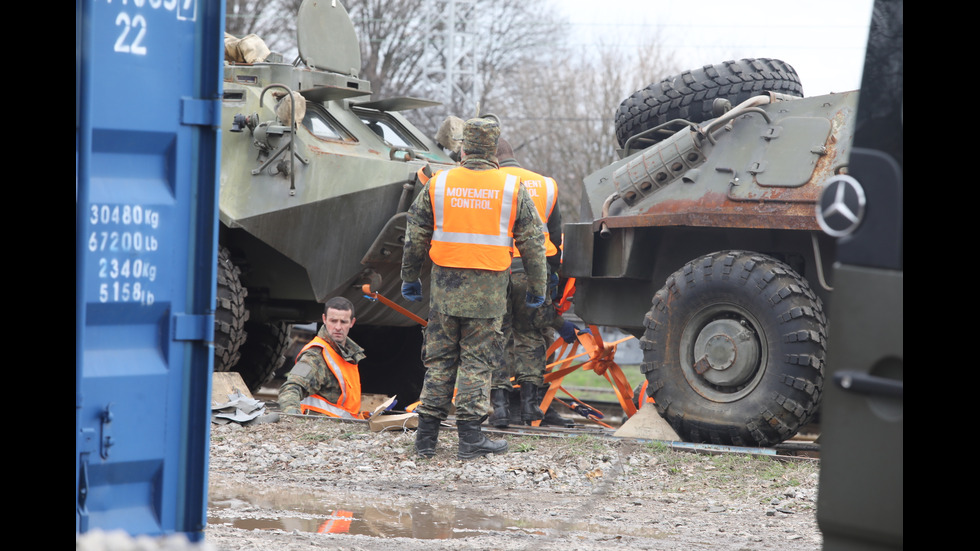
column 584, row 443
column 587, row 385
column 656, row 446
column 315, row 437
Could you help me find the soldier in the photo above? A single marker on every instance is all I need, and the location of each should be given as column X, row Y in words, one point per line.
column 467, row 220
column 525, row 346
column 325, row 378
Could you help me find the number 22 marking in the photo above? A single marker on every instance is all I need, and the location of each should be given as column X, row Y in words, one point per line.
column 136, row 47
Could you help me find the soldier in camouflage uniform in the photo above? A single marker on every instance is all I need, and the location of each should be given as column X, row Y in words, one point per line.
column 469, row 283
column 524, row 329
column 312, row 376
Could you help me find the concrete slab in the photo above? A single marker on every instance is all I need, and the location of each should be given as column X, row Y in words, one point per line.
column 647, row 424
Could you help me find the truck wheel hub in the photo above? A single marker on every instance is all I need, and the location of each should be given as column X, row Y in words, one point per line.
column 729, row 351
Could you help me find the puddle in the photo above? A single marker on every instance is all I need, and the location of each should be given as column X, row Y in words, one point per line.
column 420, row 521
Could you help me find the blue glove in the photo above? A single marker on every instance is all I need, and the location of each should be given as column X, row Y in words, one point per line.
column 568, row 331
column 412, row 291
column 553, row 285
column 533, row 301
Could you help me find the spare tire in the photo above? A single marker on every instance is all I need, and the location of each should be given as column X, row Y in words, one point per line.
column 691, row 94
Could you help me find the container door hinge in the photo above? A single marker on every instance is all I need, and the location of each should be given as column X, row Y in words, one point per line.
column 202, row 112
column 105, row 431
column 189, row 327
column 82, row 497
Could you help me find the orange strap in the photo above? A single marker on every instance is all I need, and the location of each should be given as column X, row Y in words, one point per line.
column 424, row 174
column 565, row 302
column 366, row 289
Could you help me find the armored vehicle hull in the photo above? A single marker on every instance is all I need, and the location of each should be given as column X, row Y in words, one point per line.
column 314, row 184
column 705, row 245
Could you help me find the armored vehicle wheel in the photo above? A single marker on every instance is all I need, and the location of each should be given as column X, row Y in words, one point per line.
column 734, row 349
column 262, row 353
column 691, row 94
column 230, row 314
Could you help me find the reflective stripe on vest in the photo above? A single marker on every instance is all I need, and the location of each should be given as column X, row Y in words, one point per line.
column 319, row 404
column 337, row 523
column 544, row 202
column 473, row 213
column 349, row 404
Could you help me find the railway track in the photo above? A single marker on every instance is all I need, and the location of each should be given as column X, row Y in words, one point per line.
column 804, row 446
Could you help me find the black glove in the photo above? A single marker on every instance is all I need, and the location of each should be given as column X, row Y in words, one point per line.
column 412, row 291
column 533, row 301
column 568, row 332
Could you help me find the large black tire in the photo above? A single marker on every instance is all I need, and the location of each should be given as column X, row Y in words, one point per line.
column 262, row 354
column 691, row 94
column 734, row 350
column 230, row 314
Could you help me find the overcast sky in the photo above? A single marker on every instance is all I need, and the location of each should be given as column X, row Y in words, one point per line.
column 823, row 40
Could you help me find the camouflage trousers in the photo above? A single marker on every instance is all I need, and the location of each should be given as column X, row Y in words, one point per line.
column 459, row 353
column 523, row 341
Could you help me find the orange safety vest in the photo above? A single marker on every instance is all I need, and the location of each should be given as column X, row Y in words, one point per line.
column 473, row 214
column 348, row 406
column 544, row 193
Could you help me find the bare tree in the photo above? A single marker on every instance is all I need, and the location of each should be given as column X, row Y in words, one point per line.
column 562, row 119
column 390, row 32
column 557, row 104
column 272, row 20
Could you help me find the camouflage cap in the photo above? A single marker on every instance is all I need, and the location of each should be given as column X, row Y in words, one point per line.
column 450, row 134
column 480, row 137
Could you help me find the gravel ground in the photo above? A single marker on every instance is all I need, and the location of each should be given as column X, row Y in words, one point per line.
column 273, row 484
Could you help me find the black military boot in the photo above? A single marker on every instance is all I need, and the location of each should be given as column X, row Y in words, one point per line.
column 500, row 399
column 529, row 404
column 551, row 417
column 473, row 443
column 426, row 436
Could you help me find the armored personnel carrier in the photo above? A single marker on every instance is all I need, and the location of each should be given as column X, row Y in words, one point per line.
column 705, row 245
column 314, row 184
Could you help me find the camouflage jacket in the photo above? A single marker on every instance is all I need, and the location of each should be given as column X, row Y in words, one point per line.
column 311, row 375
column 465, row 292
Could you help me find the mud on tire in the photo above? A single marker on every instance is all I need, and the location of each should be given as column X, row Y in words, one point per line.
column 690, row 95
column 734, row 350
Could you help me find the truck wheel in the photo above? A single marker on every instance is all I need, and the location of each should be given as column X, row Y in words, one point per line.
column 262, row 354
column 690, row 95
column 734, row 350
column 230, row 314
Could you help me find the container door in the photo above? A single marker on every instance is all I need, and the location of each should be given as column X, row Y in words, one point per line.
column 147, row 92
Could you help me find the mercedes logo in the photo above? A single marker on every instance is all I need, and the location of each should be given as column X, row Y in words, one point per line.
column 840, row 209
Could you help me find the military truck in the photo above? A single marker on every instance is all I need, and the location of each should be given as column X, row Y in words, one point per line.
column 704, row 244
column 314, row 208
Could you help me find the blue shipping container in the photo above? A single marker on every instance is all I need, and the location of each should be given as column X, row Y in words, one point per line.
column 147, row 93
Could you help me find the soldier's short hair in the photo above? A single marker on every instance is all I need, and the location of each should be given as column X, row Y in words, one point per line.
column 504, row 149
column 339, row 303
